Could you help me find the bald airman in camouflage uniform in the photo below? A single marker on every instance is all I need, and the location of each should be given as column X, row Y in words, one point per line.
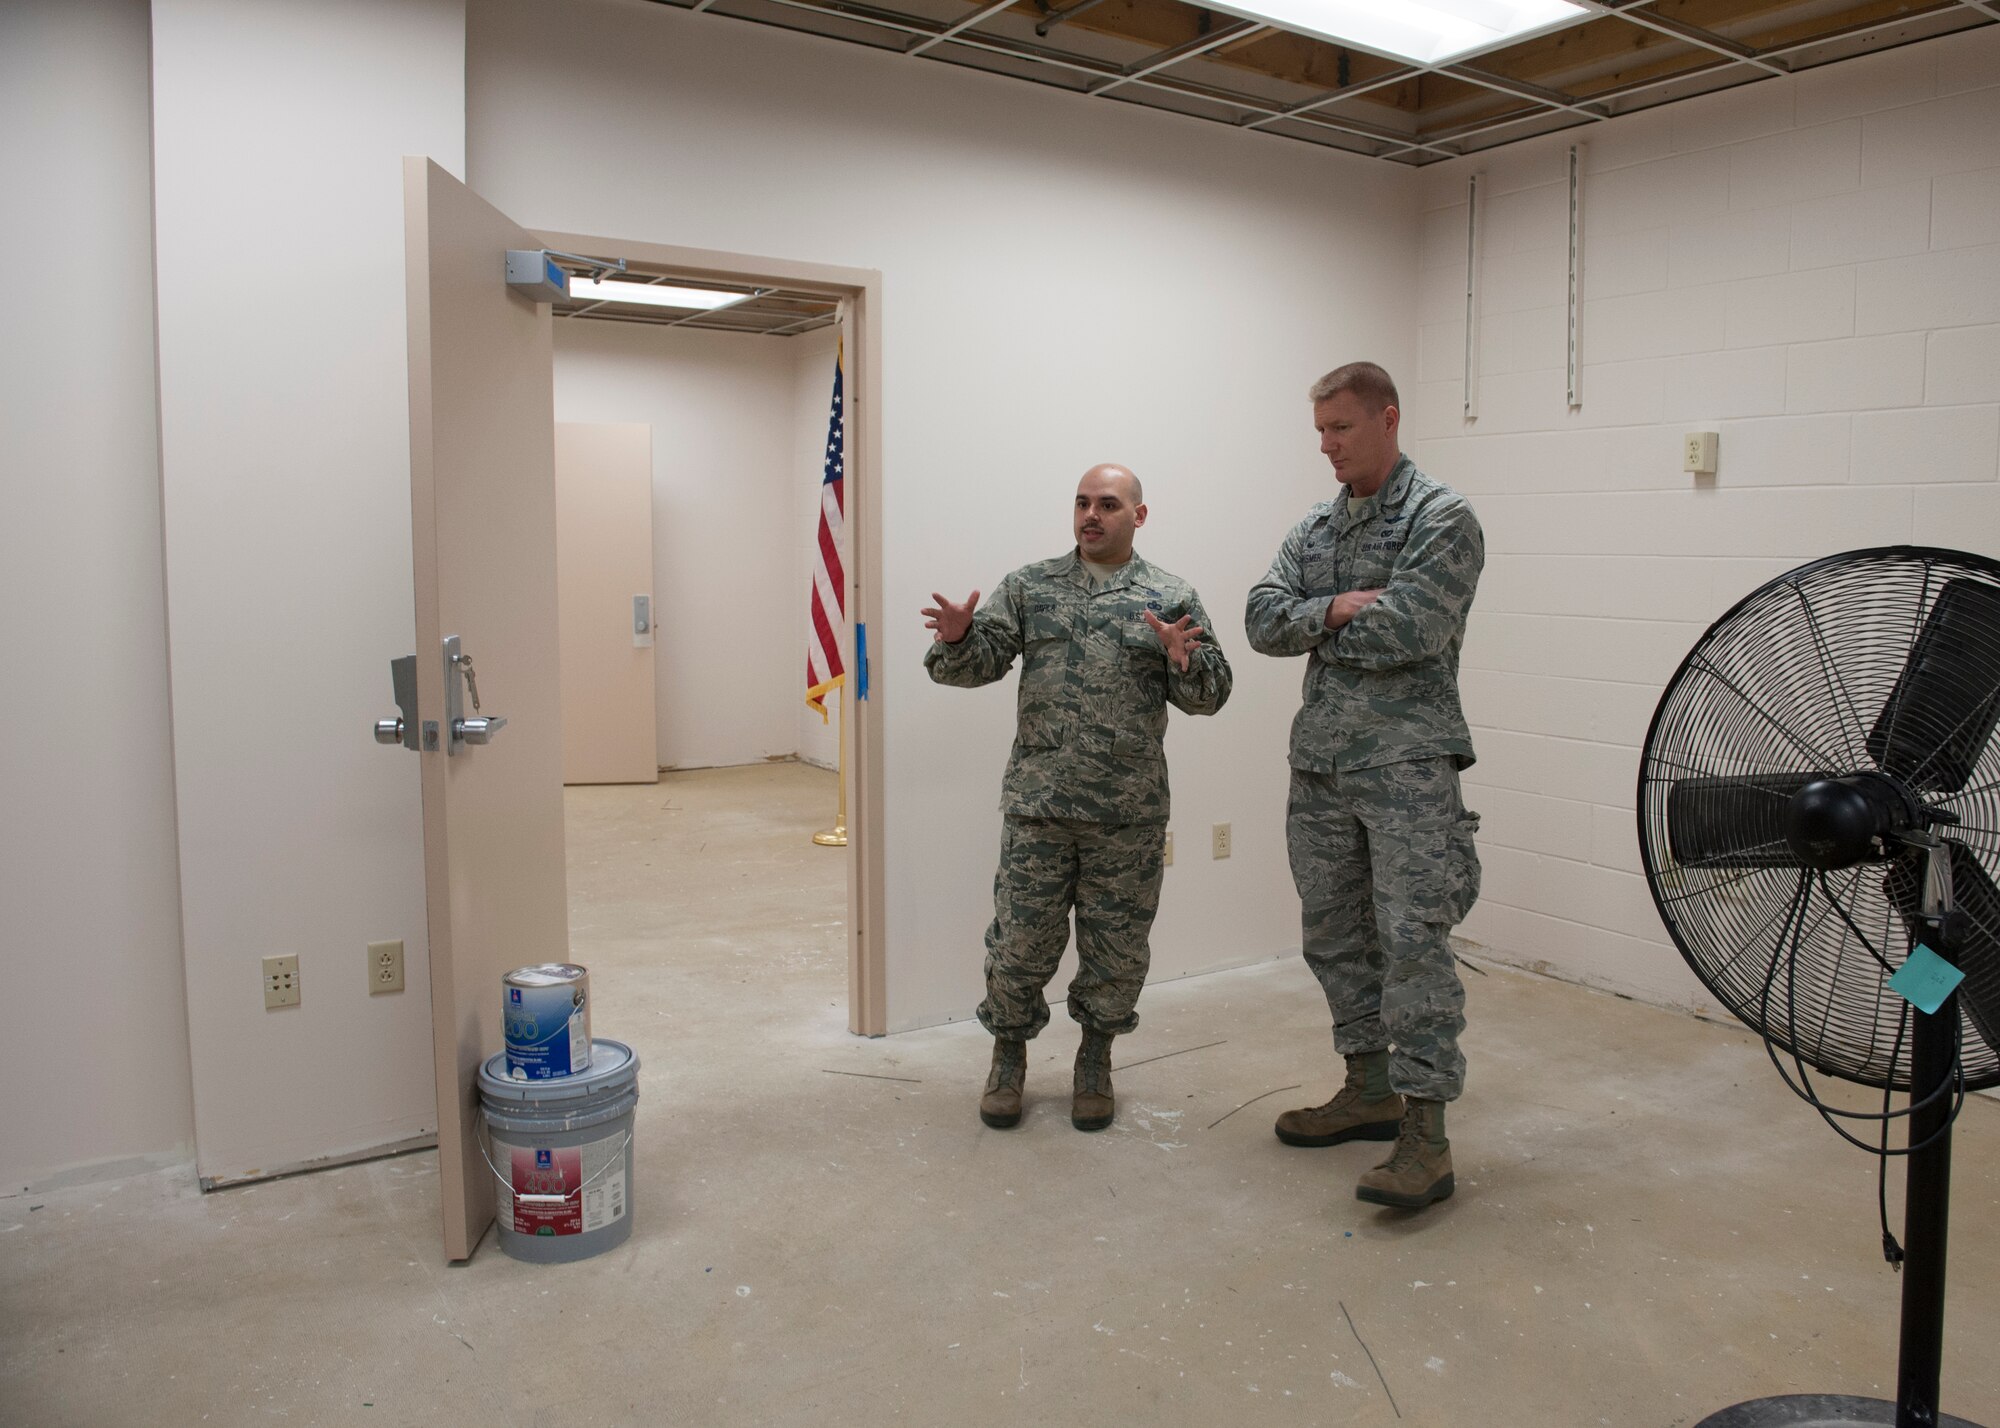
column 1106, row 642
column 1373, row 588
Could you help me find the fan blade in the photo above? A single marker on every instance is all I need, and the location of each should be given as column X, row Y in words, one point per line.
column 1937, row 719
column 1733, row 820
column 1976, row 930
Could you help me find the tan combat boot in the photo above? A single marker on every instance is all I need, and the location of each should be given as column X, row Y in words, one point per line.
column 1000, row 1107
column 1091, row 1107
column 1364, row 1109
column 1418, row 1172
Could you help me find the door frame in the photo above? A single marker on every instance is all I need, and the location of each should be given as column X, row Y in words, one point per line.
column 860, row 730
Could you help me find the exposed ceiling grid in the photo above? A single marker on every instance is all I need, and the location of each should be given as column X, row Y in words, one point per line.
column 1626, row 56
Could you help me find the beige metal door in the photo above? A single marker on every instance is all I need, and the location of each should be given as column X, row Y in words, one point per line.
column 482, row 496
column 604, row 568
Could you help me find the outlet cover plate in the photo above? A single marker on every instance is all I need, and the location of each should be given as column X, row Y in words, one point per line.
column 281, row 982
column 1219, row 840
column 385, row 967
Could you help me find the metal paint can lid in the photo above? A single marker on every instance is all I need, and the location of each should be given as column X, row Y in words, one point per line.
column 546, row 974
column 614, row 1067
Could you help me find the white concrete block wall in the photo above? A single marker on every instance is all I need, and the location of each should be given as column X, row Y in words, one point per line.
column 1808, row 266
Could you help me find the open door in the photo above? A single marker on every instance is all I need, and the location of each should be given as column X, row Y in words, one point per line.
column 482, row 498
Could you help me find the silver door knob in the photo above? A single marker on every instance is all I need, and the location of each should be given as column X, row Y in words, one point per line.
column 478, row 730
column 388, row 731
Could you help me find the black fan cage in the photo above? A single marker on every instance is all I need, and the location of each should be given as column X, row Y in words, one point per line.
column 1881, row 661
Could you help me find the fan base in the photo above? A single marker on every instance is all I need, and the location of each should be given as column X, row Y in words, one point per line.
column 1817, row 1410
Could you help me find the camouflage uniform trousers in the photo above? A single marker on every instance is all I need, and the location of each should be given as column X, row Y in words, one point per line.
column 1110, row 874
column 1385, row 867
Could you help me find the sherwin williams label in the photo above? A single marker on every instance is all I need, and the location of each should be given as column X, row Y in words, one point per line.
column 547, row 1016
column 589, row 1178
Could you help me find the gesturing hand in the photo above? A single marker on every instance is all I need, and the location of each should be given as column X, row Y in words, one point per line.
column 948, row 622
column 1180, row 638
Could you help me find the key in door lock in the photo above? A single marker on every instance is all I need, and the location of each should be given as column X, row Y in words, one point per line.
column 465, row 729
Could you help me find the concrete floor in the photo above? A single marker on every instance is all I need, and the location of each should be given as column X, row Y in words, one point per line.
column 1647, row 1227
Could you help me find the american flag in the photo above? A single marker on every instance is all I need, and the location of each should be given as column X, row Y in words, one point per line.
column 824, row 669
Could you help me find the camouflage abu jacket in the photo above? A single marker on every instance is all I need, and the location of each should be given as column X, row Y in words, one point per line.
column 1383, row 687
column 1095, row 685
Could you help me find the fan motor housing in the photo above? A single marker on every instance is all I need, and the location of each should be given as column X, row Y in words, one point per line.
column 1838, row 822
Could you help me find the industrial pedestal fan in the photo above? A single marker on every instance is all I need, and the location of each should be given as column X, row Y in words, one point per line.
column 1819, row 816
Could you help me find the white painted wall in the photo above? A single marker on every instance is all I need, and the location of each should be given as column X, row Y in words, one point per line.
column 731, row 645
column 1066, row 281
column 813, row 356
column 278, row 135
column 1811, row 267
column 89, row 904
column 1035, row 247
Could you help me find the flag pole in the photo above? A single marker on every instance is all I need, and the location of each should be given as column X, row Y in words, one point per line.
column 824, row 656
column 836, row 836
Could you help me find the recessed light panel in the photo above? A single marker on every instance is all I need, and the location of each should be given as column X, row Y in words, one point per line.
column 653, row 294
column 1422, row 31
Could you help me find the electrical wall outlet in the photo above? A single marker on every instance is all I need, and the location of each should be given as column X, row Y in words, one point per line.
column 1219, row 840
column 385, row 967
column 1698, row 449
column 281, row 982
column 1169, row 859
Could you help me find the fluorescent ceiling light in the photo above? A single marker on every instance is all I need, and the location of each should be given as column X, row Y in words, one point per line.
column 1422, row 31
column 653, row 294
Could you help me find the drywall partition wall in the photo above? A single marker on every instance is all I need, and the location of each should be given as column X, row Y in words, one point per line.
column 1809, row 267
column 89, row 905
column 279, row 133
column 1065, row 281
column 730, row 644
column 812, row 395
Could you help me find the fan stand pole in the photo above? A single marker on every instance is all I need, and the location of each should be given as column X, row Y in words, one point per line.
column 1926, row 1208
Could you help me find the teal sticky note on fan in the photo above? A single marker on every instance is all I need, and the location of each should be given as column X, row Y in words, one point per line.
column 1925, row 980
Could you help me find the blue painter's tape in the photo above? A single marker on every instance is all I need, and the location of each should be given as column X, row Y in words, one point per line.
column 1925, row 980
column 860, row 661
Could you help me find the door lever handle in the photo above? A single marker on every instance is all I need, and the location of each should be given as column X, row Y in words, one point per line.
column 479, row 729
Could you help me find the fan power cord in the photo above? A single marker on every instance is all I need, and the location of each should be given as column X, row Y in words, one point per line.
column 1951, row 1084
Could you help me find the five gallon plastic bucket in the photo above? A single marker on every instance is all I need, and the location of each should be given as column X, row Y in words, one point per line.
column 561, row 1152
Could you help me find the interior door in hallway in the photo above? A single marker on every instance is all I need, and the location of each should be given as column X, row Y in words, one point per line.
column 604, row 568
column 482, row 494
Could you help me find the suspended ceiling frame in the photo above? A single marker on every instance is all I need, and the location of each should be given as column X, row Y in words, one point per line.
column 1256, row 76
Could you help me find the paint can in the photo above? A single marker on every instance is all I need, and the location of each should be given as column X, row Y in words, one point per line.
column 547, row 1011
column 561, row 1154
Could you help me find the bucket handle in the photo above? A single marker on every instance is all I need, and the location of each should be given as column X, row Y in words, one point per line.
column 617, row 1158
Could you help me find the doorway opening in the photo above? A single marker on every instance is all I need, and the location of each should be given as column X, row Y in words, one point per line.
column 795, row 303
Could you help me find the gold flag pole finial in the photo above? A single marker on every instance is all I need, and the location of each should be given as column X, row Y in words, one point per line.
column 836, row 836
